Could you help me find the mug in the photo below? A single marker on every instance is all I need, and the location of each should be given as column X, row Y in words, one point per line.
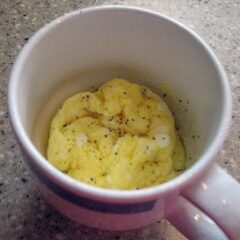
column 87, row 47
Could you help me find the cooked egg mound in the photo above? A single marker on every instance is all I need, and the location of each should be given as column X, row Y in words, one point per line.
column 121, row 136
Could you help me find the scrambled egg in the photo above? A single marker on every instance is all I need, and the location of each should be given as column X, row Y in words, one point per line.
column 121, row 136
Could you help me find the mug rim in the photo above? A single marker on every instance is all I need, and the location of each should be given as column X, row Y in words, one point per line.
column 76, row 186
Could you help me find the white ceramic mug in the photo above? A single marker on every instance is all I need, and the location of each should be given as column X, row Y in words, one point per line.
column 203, row 202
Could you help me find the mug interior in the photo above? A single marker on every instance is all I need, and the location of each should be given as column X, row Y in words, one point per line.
column 86, row 48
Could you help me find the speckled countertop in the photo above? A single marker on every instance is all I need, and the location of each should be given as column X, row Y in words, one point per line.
column 24, row 213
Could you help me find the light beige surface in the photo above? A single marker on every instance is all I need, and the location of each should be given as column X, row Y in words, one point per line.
column 24, row 213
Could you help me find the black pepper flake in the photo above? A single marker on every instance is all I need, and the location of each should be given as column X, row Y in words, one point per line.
column 105, row 136
column 180, row 100
column 193, row 136
column 164, row 95
column 64, row 125
column 26, row 39
column 198, row 136
column 24, row 180
column 3, row 133
column 143, row 118
column 116, row 153
column 153, row 138
column 57, row 228
column 125, row 93
column 92, row 179
column 48, row 215
column 148, row 107
column 100, row 158
column 95, row 141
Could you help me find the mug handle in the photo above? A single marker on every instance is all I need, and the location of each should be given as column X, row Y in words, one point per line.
column 213, row 202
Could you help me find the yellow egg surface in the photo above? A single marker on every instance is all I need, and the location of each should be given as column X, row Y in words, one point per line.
column 121, row 136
